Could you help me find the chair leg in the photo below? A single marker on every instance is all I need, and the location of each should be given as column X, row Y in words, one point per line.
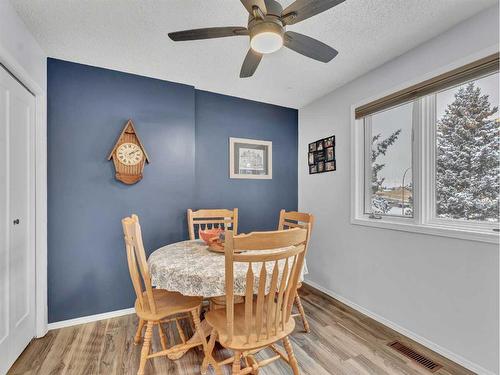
column 145, row 347
column 180, row 330
column 163, row 337
column 138, row 334
column 191, row 324
column 291, row 357
column 302, row 313
column 237, row 362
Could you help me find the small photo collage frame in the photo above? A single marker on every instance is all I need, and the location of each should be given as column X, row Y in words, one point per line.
column 321, row 156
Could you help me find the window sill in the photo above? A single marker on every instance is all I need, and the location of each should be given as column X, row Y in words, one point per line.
column 407, row 225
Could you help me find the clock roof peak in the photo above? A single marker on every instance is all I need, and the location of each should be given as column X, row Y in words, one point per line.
column 129, row 129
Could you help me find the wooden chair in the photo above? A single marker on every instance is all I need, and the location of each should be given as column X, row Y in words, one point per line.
column 154, row 306
column 293, row 219
column 208, row 219
column 265, row 318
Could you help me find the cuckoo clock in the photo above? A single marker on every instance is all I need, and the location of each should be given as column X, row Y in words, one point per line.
column 129, row 156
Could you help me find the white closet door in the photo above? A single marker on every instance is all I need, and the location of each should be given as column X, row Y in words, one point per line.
column 17, row 250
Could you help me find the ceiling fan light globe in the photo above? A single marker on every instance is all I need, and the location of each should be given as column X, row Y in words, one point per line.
column 266, row 42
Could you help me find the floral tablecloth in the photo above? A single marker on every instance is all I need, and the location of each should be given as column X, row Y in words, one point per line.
column 188, row 267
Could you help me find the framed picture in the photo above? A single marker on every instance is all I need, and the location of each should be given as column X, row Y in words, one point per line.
column 250, row 158
column 330, row 154
column 321, row 156
column 330, row 166
column 311, row 158
column 329, row 142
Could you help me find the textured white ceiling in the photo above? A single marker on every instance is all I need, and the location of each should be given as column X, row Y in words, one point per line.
column 131, row 36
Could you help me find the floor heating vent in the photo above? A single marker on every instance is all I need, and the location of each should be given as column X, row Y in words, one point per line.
column 415, row 356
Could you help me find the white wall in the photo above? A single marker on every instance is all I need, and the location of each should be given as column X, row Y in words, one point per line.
column 442, row 291
column 16, row 43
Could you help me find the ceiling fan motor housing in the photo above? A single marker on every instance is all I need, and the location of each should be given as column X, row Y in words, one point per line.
column 266, row 26
column 273, row 15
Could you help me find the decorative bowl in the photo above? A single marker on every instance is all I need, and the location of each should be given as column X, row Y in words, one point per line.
column 208, row 234
column 216, row 244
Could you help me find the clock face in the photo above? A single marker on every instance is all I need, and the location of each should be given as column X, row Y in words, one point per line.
column 129, row 154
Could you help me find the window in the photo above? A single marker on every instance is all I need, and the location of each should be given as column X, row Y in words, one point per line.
column 388, row 162
column 430, row 163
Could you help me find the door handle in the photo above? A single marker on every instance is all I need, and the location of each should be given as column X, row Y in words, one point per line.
column 16, row 222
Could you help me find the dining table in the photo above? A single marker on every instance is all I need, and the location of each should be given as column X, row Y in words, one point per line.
column 190, row 268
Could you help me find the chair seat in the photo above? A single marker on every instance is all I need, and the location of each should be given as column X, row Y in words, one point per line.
column 217, row 319
column 167, row 303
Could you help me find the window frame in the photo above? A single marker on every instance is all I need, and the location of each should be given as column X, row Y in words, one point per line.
column 424, row 218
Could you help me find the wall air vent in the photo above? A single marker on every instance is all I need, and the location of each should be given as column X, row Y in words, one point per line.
column 415, row 356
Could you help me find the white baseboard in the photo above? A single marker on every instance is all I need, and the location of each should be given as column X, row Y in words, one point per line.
column 90, row 318
column 421, row 340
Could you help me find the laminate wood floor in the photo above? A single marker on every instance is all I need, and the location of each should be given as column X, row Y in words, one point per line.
column 342, row 341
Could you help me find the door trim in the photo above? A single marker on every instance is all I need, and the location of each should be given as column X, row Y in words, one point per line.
column 16, row 69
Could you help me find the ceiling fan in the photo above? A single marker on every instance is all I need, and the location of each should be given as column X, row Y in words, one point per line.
column 266, row 28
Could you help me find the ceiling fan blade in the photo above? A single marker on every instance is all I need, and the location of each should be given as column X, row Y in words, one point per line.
column 303, row 9
column 249, row 4
column 207, row 33
column 309, row 47
column 250, row 63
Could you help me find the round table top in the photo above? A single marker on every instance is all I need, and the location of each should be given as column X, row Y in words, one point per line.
column 188, row 267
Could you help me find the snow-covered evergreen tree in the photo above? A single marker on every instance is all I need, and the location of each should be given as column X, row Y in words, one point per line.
column 468, row 140
column 379, row 147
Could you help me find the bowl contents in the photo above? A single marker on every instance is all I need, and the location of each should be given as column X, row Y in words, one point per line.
column 208, row 234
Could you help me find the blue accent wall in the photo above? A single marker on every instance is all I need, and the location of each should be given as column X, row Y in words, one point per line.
column 186, row 134
column 219, row 117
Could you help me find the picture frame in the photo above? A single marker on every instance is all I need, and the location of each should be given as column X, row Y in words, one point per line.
column 250, row 159
column 321, row 156
column 311, row 158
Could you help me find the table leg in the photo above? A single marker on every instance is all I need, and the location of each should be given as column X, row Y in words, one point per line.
column 215, row 303
column 193, row 340
column 210, row 349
